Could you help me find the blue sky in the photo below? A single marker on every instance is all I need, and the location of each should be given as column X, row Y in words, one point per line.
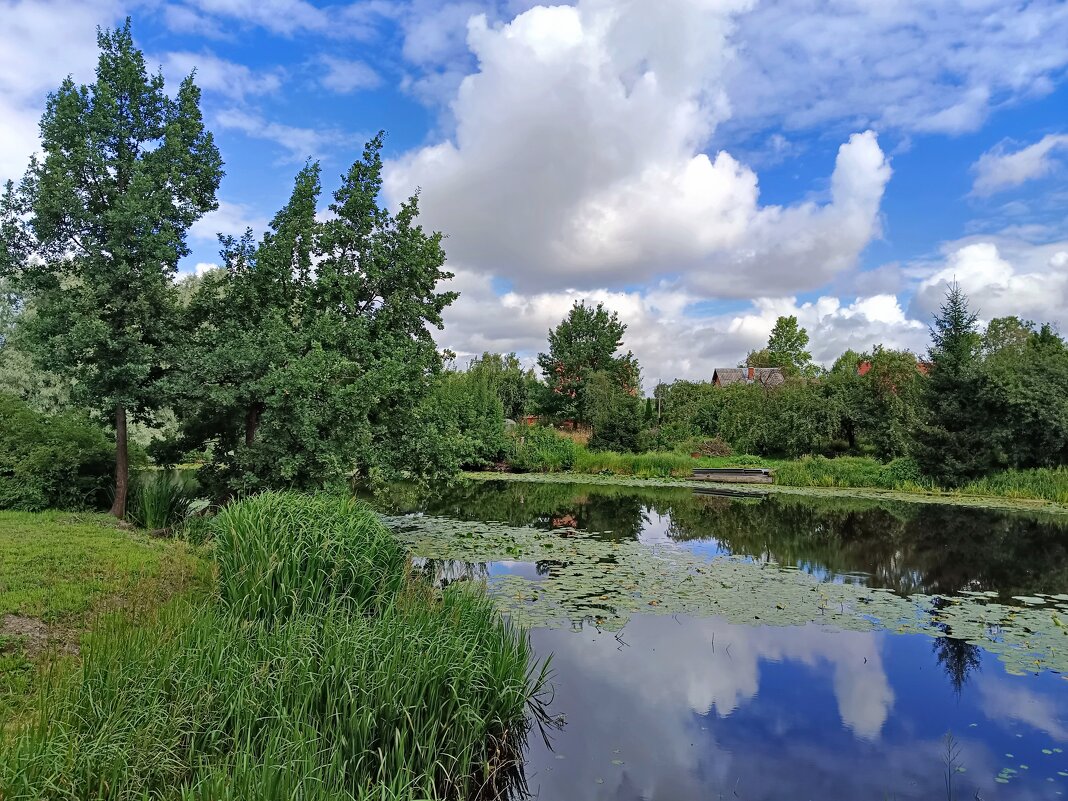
column 699, row 165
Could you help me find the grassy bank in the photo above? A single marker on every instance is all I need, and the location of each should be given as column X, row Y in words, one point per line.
column 320, row 668
column 856, row 472
column 59, row 572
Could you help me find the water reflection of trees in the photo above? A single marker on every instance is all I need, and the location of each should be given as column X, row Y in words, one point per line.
column 906, row 547
column 902, row 546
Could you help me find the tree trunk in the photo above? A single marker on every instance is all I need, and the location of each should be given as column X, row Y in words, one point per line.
column 122, row 463
column 252, row 423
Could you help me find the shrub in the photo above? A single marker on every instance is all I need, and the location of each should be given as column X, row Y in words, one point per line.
column 707, row 447
column 62, row 461
column 539, row 449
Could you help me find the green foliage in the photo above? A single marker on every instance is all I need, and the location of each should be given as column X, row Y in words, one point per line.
column 786, row 349
column 539, row 449
column 127, row 170
column 612, row 411
column 878, row 408
column 283, row 554
column 517, row 388
column 468, row 417
column 952, row 443
column 61, row 461
column 1049, row 484
column 159, row 499
column 1024, row 401
column 642, row 465
column 324, row 671
column 584, row 343
column 302, row 378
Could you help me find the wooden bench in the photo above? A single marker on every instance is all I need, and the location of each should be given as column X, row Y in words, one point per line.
column 734, row 475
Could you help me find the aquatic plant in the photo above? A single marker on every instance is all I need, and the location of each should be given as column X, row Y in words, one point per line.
column 281, row 554
column 587, row 578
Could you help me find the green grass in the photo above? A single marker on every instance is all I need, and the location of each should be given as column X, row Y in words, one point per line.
column 1047, row 483
column 59, row 566
column 62, row 571
column 325, row 670
column 160, row 499
column 856, row 472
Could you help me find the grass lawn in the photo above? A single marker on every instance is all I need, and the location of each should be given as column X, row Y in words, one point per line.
column 59, row 571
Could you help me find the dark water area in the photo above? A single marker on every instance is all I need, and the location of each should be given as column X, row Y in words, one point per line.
column 906, row 547
column 674, row 707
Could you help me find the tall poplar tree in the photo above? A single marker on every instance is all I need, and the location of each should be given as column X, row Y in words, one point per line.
column 126, row 170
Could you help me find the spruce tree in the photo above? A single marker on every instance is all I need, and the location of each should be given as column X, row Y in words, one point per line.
column 951, row 444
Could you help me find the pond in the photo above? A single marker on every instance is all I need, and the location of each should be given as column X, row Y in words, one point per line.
column 778, row 647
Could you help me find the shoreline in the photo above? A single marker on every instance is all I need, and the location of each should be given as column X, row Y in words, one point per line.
column 758, row 490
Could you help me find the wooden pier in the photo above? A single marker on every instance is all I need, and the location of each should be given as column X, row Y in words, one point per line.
column 734, row 475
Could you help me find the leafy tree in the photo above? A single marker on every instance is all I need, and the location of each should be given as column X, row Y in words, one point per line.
column 516, row 387
column 613, row 412
column 1007, row 337
column 244, row 323
column 889, row 400
column 786, row 349
column 585, row 342
column 1025, row 401
column 950, row 443
column 470, row 418
column 312, row 376
column 126, row 170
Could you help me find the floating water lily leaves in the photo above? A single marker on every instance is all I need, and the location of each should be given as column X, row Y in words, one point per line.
column 583, row 579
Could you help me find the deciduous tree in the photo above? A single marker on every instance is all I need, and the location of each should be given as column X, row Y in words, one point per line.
column 585, row 342
column 126, row 171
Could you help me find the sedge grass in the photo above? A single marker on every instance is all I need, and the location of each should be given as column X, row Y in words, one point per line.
column 159, row 499
column 358, row 681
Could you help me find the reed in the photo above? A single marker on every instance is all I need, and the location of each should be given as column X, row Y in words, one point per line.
column 159, row 499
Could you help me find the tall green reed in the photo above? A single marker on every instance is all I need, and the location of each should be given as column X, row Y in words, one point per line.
column 159, row 499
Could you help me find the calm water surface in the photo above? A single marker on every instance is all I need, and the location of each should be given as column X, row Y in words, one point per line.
column 673, row 708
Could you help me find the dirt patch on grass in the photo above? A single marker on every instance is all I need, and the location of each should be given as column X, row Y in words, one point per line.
column 35, row 636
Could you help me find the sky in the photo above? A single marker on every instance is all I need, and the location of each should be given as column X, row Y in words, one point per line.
column 700, row 166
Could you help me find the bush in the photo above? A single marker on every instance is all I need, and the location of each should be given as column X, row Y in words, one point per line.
column 61, row 461
column 539, row 449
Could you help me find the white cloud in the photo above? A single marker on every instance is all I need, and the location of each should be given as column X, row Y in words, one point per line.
column 298, row 143
column 204, row 267
column 214, row 74
column 909, row 64
column 43, row 42
column 286, row 17
column 670, row 339
column 1001, row 168
column 1001, row 277
column 229, row 219
column 347, row 75
column 578, row 157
